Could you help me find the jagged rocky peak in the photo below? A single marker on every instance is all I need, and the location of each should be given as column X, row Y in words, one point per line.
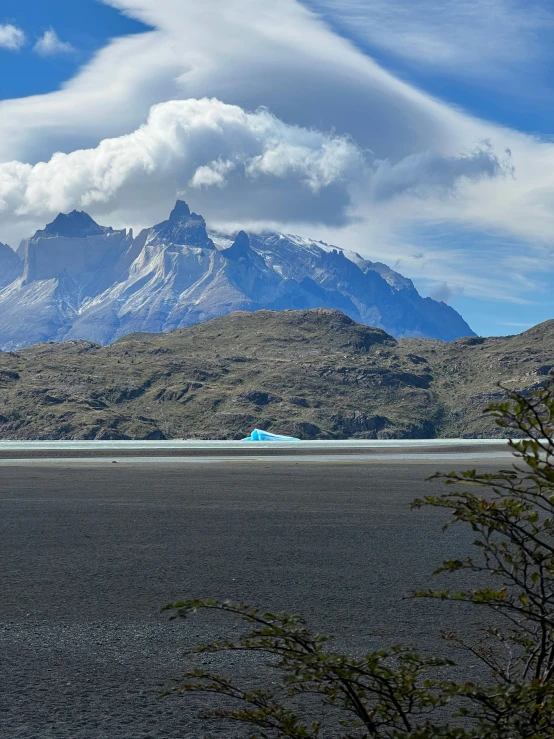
column 180, row 211
column 240, row 248
column 183, row 228
column 74, row 225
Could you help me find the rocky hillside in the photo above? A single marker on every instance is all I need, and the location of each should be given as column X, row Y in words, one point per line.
column 75, row 279
column 313, row 374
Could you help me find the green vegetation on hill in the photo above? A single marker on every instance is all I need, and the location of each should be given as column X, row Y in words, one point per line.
column 308, row 373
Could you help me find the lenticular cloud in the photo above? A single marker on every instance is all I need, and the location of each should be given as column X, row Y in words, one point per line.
column 195, row 144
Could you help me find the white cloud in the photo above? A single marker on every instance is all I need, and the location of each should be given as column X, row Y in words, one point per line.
column 197, row 143
column 428, row 173
column 49, row 44
column 268, row 169
column 11, row 37
column 213, row 174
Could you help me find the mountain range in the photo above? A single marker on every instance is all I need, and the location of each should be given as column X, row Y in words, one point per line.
column 315, row 374
column 75, row 279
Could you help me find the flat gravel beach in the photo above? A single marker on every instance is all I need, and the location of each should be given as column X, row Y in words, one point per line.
column 91, row 550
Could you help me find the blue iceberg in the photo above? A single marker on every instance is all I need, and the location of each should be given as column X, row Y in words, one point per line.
column 258, row 435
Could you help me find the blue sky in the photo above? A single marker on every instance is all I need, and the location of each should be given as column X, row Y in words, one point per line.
column 416, row 132
column 87, row 25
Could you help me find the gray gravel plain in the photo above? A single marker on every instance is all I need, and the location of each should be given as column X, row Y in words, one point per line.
column 90, row 552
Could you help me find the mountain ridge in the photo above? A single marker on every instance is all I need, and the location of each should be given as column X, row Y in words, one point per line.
column 75, row 279
column 307, row 373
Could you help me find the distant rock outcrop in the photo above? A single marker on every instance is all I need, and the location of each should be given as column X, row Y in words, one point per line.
column 183, row 228
column 74, row 225
column 75, row 279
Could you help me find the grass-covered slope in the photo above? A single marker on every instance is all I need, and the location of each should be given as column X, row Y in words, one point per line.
column 313, row 374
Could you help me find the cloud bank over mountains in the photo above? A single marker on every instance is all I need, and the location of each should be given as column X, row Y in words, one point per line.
column 275, row 171
column 342, row 144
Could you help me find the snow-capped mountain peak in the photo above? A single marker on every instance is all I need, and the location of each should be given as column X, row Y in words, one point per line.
column 182, row 227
